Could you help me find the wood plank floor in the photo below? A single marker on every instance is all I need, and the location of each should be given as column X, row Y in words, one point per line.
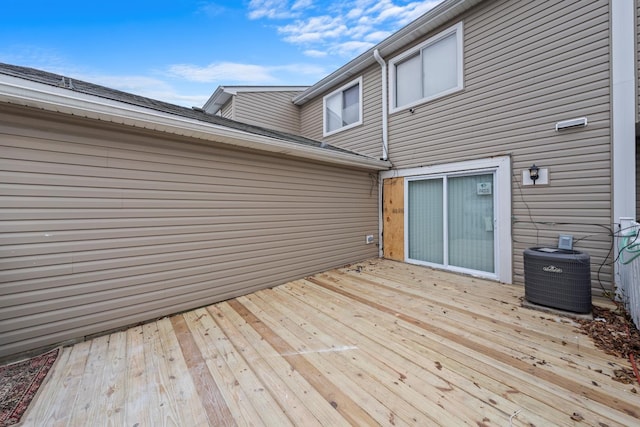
column 378, row 343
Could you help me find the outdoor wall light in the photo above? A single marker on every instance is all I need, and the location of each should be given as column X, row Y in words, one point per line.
column 533, row 173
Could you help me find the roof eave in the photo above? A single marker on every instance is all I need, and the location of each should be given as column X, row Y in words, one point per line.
column 222, row 94
column 428, row 22
column 26, row 93
column 219, row 97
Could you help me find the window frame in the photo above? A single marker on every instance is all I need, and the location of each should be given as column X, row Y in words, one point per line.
column 456, row 29
column 341, row 90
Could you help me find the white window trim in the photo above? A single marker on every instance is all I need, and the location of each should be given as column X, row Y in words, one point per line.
column 352, row 83
column 502, row 168
column 456, row 29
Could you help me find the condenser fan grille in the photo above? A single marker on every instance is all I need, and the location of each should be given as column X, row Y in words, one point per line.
column 558, row 278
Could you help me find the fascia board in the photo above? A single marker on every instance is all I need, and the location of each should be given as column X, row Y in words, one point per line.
column 248, row 89
column 216, row 100
column 18, row 91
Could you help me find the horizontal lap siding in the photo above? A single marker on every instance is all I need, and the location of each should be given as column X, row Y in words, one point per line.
column 102, row 229
column 227, row 109
column 273, row 110
column 311, row 119
column 364, row 139
column 527, row 66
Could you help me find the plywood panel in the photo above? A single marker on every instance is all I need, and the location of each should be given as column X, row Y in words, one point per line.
column 393, row 218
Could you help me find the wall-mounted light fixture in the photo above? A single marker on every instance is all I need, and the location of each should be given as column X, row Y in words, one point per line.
column 533, row 173
column 570, row 124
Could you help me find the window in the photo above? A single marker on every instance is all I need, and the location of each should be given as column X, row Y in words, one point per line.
column 428, row 71
column 343, row 108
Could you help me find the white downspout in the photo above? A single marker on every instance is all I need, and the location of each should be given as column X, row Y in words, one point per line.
column 385, row 147
column 385, row 131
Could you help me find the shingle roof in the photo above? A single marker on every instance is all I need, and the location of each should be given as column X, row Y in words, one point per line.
column 80, row 86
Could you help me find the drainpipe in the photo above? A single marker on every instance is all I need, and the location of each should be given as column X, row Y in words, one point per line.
column 385, row 146
column 385, row 131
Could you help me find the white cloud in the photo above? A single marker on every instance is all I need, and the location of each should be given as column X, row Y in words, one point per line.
column 344, row 28
column 29, row 55
column 402, row 15
column 377, row 36
column 149, row 87
column 314, row 53
column 223, row 71
column 229, row 72
column 354, row 13
column 125, row 83
column 315, row 29
column 301, row 4
column 351, row 48
column 272, row 9
column 300, row 69
column 176, row 98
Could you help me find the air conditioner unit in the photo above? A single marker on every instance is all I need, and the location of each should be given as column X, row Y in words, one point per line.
column 558, row 278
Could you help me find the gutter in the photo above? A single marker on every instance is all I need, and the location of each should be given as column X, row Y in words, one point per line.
column 41, row 96
column 385, row 114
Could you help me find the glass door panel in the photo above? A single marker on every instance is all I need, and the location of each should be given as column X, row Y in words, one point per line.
column 470, row 217
column 426, row 220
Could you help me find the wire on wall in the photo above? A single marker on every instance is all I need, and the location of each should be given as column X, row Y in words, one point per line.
column 628, row 242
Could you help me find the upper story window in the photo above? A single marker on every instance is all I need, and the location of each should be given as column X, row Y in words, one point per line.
column 343, row 108
column 428, row 71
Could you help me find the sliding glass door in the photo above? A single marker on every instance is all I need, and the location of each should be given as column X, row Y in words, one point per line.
column 450, row 221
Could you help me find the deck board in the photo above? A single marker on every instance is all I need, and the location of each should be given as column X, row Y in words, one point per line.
column 378, row 343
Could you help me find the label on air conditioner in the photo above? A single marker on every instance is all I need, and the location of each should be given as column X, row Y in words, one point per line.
column 552, row 269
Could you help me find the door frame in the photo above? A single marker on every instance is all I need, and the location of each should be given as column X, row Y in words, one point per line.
column 447, row 265
column 503, row 224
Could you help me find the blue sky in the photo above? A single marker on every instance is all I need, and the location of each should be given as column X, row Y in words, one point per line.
column 179, row 51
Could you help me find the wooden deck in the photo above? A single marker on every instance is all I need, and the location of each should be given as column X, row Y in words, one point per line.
column 378, row 343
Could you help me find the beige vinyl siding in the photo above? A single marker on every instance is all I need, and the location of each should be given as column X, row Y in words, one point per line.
column 270, row 109
column 227, row 109
column 528, row 65
column 364, row 139
column 311, row 118
column 102, row 228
